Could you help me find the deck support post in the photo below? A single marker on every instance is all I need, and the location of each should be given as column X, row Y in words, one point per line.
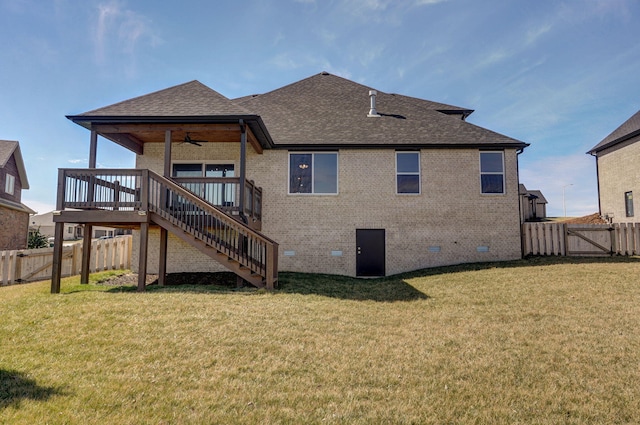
column 56, row 266
column 86, row 253
column 243, row 166
column 142, row 260
column 162, row 267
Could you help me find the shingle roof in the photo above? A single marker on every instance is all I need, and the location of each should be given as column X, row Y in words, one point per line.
column 184, row 100
column 539, row 195
column 630, row 128
column 325, row 109
column 6, row 150
column 11, row 147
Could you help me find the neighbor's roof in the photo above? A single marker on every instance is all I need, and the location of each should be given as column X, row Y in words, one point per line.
column 326, row 110
column 629, row 129
column 11, row 147
column 539, row 195
column 522, row 190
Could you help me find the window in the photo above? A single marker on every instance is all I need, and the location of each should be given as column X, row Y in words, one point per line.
column 492, row 172
column 215, row 192
column 9, row 185
column 628, row 203
column 408, row 172
column 315, row 173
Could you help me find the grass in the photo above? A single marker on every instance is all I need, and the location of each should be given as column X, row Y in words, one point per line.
column 542, row 341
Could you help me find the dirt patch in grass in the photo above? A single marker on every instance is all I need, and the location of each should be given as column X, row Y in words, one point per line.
column 225, row 279
column 587, row 219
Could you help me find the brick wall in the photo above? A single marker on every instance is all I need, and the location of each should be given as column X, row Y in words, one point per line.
column 450, row 213
column 619, row 172
column 13, row 229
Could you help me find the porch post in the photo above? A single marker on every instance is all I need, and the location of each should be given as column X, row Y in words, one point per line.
column 167, row 153
column 142, row 260
column 162, row 267
column 56, row 261
column 56, row 266
column 243, row 165
column 93, row 149
column 88, row 228
column 86, row 253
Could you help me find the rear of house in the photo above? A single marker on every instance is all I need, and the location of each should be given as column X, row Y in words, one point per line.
column 618, row 167
column 323, row 175
column 349, row 193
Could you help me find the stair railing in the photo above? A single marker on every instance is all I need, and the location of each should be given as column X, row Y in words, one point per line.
column 212, row 226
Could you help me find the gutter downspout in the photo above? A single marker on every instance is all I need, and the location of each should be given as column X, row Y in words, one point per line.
column 521, row 222
column 597, row 181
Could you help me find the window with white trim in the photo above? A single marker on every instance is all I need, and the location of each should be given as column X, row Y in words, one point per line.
column 492, row 172
column 408, row 172
column 313, row 173
column 9, row 184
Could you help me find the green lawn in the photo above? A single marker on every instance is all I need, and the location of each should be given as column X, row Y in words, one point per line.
column 542, row 341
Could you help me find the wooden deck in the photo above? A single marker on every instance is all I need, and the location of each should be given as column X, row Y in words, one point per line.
column 228, row 232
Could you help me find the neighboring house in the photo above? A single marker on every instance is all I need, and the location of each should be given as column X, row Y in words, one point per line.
column 323, row 175
column 14, row 215
column 72, row 231
column 533, row 204
column 618, row 168
column 44, row 223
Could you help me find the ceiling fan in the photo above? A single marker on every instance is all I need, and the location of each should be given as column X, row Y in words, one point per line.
column 188, row 139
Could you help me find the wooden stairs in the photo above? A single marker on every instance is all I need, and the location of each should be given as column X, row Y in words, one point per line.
column 244, row 251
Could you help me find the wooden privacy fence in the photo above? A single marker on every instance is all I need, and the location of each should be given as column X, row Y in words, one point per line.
column 581, row 239
column 28, row 265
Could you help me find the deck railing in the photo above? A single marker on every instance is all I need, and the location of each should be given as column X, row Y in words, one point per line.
column 119, row 190
column 107, row 189
column 191, row 208
column 224, row 192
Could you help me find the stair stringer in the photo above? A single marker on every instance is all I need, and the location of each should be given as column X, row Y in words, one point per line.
column 209, row 250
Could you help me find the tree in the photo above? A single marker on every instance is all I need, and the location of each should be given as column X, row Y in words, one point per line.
column 37, row 240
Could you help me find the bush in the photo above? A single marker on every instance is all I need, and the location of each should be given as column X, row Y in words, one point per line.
column 37, row 240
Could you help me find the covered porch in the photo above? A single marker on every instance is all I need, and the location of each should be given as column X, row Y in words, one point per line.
column 220, row 216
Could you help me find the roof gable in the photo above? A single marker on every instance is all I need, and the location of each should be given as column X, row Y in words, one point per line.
column 10, row 148
column 326, row 109
column 185, row 100
column 630, row 128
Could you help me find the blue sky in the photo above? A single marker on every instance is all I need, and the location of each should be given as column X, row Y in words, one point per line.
column 560, row 75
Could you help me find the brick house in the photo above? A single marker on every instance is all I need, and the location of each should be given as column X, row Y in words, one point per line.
column 618, row 168
column 14, row 215
column 331, row 176
column 533, row 204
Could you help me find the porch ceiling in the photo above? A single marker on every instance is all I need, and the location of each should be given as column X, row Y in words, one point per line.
column 134, row 136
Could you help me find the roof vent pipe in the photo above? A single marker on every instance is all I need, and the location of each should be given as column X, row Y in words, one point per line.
column 372, row 111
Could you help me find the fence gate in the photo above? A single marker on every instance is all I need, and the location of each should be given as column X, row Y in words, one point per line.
column 589, row 240
column 581, row 239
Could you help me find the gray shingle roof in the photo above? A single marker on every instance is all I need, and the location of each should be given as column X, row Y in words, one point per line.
column 321, row 110
column 7, row 147
column 188, row 99
column 327, row 109
column 628, row 129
